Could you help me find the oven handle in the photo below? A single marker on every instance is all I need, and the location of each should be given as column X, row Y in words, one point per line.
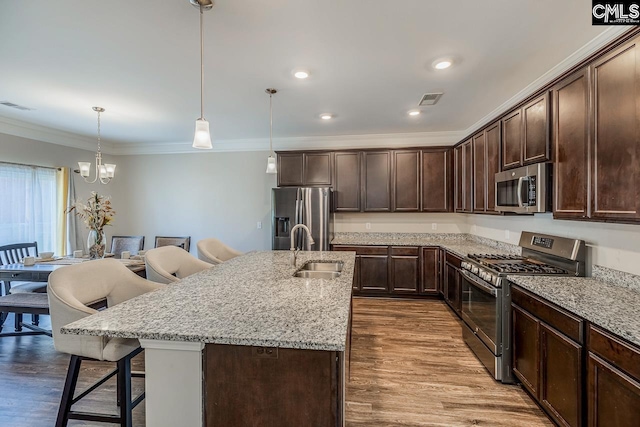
column 475, row 281
column 519, row 191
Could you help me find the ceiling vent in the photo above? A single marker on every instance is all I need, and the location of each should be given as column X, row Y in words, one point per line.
column 430, row 98
column 16, row 106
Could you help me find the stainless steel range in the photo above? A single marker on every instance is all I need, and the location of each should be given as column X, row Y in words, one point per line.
column 486, row 294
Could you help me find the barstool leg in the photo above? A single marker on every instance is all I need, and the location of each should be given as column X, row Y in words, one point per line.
column 124, row 386
column 68, row 391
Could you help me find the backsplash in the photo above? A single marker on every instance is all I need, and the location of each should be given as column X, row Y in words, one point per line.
column 616, row 277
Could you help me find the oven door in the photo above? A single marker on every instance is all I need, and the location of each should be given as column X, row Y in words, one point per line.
column 482, row 310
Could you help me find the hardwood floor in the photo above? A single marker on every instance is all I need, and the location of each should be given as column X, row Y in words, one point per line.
column 409, row 367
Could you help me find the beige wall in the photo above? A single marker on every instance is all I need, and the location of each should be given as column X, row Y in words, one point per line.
column 401, row 222
column 204, row 194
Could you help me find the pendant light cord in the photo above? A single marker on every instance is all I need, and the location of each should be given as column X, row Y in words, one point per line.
column 201, row 66
column 98, row 132
column 271, row 123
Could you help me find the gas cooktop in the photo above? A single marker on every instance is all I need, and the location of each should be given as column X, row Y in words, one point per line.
column 515, row 264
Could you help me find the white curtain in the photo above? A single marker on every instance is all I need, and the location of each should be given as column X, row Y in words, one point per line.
column 28, row 205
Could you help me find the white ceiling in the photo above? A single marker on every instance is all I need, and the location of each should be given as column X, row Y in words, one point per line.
column 370, row 61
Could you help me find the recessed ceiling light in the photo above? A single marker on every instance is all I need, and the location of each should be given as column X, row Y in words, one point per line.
column 414, row 113
column 301, row 74
column 326, row 116
column 441, row 64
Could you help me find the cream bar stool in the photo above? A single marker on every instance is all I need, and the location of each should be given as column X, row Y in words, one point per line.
column 72, row 291
column 169, row 264
column 214, row 251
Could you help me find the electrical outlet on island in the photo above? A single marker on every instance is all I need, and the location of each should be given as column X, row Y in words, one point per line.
column 367, row 226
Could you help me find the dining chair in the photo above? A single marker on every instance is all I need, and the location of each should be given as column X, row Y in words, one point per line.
column 72, row 290
column 214, row 251
column 133, row 244
column 181, row 242
column 169, row 264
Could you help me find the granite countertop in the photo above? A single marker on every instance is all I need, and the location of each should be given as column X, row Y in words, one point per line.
column 460, row 244
column 250, row 300
column 614, row 308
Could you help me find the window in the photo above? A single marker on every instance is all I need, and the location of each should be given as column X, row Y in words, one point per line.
column 28, row 209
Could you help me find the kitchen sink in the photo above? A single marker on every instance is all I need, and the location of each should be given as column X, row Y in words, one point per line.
column 317, row 274
column 323, row 266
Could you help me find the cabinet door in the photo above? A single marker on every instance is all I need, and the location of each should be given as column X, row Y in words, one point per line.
column 437, row 175
column 290, row 166
column 526, row 349
column 492, row 139
column 405, row 270
column 571, row 139
column 374, row 273
column 459, row 172
column 467, row 185
column 535, row 145
column 406, row 181
column 615, row 155
column 430, row 271
column 377, row 181
column 512, row 140
column 479, row 173
column 452, row 291
column 346, row 181
column 317, row 169
column 613, row 398
column 561, row 377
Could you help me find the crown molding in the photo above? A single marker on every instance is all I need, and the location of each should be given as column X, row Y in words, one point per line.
column 428, row 139
column 597, row 43
column 54, row 136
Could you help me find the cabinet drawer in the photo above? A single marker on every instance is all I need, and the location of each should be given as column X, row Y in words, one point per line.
column 613, row 349
column 372, row 250
column 21, row 276
column 405, row 250
column 453, row 259
column 570, row 325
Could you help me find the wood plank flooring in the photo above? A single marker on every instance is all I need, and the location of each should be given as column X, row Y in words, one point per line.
column 409, row 367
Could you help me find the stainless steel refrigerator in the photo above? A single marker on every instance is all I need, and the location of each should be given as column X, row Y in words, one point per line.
column 310, row 206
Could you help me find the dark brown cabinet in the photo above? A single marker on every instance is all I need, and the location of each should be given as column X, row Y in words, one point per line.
column 377, row 181
column 452, row 289
column 437, row 180
column 492, row 141
column 406, row 180
column 430, row 271
column 547, row 355
column 304, row 169
column 404, row 270
column 347, row 181
column 613, row 376
column 525, row 138
column 459, row 179
column 479, row 173
column 464, row 177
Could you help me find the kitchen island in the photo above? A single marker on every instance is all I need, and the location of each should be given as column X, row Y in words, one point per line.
column 244, row 343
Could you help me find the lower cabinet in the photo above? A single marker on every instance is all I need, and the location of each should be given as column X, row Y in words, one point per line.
column 452, row 289
column 547, row 356
column 613, row 374
column 395, row 270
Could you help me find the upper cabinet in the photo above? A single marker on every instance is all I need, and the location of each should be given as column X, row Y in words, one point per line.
column 304, row 169
column 596, row 132
column 346, row 181
column 406, row 180
column 525, row 134
column 492, row 140
column 486, row 163
column 437, row 180
column 377, row 181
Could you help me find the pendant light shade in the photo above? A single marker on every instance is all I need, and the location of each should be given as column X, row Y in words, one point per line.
column 271, row 160
column 202, row 138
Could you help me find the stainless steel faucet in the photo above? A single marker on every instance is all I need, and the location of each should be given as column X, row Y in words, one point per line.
column 294, row 250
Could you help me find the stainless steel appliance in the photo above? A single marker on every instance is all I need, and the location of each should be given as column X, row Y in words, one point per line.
column 302, row 205
column 523, row 190
column 486, row 293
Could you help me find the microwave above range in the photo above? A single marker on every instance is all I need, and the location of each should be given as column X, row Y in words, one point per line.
column 523, row 190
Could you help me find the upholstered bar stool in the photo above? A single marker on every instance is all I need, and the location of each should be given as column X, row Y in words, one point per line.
column 214, row 251
column 72, row 290
column 169, row 264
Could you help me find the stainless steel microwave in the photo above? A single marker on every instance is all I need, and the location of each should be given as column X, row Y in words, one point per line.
column 523, row 190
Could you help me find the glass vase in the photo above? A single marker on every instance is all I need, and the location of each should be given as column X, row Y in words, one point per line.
column 96, row 244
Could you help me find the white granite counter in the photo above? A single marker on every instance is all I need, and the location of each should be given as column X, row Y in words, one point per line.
column 460, row 244
column 612, row 307
column 250, row 300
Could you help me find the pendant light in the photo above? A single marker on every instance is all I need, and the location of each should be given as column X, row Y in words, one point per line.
column 271, row 161
column 202, row 137
column 105, row 172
